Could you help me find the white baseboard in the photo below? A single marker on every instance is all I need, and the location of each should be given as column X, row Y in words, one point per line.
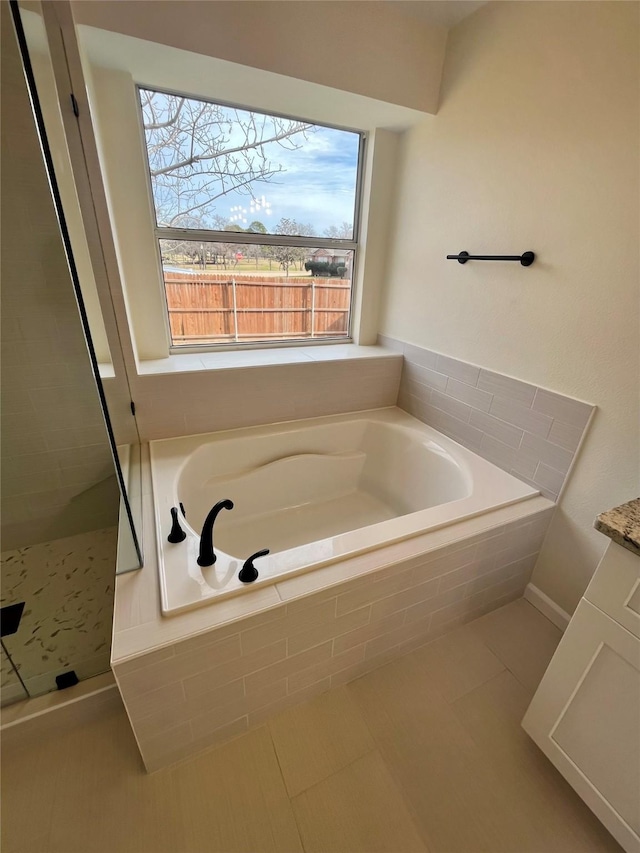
column 547, row 606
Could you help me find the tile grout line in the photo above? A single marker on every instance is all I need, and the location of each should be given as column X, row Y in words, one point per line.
column 389, row 768
column 284, row 783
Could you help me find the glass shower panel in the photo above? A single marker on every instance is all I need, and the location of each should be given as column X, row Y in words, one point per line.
column 60, row 489
column 11, row 688
column 96, row 308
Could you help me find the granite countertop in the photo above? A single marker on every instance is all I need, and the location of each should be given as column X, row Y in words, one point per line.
column 622, row 524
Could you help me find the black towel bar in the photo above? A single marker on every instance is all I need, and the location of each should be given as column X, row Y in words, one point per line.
column 525, row 259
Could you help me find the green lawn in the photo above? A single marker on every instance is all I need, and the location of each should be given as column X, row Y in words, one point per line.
column 246, row 265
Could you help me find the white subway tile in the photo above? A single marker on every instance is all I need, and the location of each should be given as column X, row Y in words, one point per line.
column 216, row 718
column 424, row 608
column 461, row 370
column 219, row 706
column 139, row 706
column 424, row 376
column 500, row 574
column 303, row 679
column 517, row 545
column 227, row 629
column 320, row 633
column 391, row 343
column 127, row 666
column 156, row 750
column 477, row 399
column 444, row 563
column 16, row 401
column 565, row 435
column 420, row 355
column 456, row 429
column 548, row 453
column 462, row 609
column 496, row 428
column 506, row 386
column 367, row 592
column 264, row 713
column 417, row 630
column 415, row 389
column 466, row 573
column 497, row 452
column 404, row 599
column 495, row 595
column 549, row 478
column 292, row 623
column 358, row 669
column 404, row 400
column 287, row 667
column 561, row 408
column 520, row 416
column 181, row 666
column 210, row 679
column 367, row 632
column 459, row 410
column 524, row 464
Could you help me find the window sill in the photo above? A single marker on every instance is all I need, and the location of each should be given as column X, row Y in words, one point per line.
column 238, row 359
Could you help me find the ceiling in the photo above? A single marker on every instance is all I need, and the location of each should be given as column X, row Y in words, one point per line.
column 446, row 13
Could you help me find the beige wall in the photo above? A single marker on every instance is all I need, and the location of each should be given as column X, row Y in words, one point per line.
column 535, row 147
column 363, row 47
column 57, row 471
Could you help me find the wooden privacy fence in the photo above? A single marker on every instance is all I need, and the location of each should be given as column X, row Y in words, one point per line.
column 215, row 307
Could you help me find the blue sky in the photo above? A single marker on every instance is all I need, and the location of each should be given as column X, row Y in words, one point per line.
column 316, row 185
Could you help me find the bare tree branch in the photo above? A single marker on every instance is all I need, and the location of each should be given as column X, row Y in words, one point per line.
column 174, row 118
column 224, row 153
column 199, row 152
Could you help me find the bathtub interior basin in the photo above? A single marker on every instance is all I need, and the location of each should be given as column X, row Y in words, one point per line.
column 285, row 497
column 311, row 492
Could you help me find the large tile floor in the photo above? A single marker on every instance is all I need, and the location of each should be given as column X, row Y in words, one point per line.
column 424, row 754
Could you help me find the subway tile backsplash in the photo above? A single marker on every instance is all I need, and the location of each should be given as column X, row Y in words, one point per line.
column 528, row 431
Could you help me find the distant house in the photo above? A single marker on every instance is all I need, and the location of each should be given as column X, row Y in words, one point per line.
column 332, row 256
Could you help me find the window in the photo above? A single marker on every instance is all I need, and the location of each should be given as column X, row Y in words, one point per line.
column 256, row 221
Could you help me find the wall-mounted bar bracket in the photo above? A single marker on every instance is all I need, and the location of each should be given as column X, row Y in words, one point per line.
column 526, row 259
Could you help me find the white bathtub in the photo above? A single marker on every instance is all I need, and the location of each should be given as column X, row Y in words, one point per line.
column 312, row 492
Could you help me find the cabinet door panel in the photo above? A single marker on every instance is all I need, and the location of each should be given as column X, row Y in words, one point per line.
column 615, row 587
column 585, row 716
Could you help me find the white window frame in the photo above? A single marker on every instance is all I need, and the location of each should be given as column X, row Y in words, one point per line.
column 244, row 238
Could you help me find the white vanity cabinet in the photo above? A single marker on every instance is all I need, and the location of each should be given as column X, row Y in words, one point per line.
column 585, row 715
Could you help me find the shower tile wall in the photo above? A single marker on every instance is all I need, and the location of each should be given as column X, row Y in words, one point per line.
column 67, row 586
column 528, row 431
column 54, row 447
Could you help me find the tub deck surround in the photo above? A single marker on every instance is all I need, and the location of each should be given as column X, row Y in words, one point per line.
column 622, row 524
column 532, row 433
column 203, row 676
column 313, row 492
column 187, row 696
